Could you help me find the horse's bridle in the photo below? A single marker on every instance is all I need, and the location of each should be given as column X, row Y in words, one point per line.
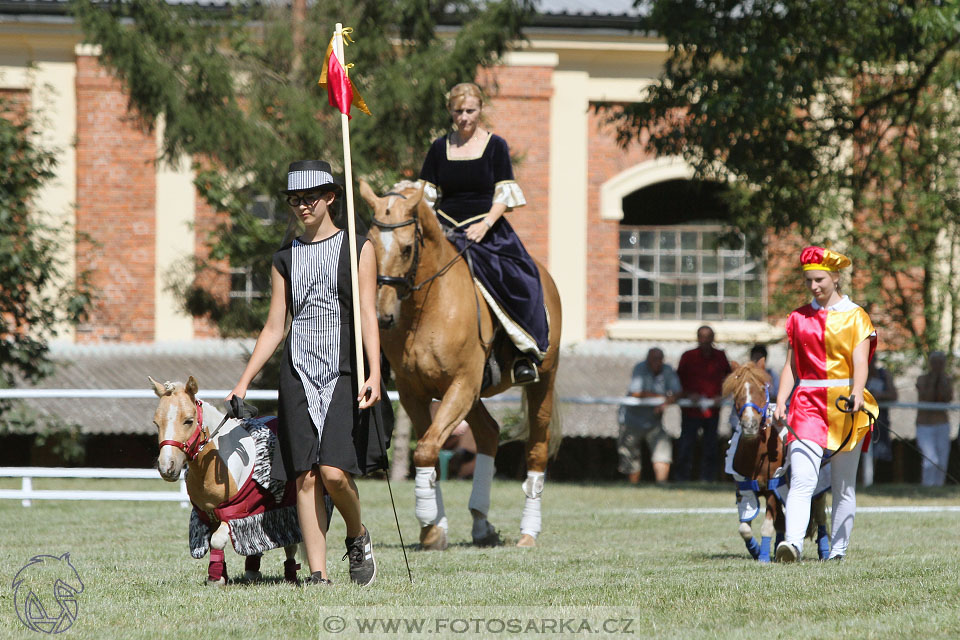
column 405, row 284
column 194, row 445
column 761, row 410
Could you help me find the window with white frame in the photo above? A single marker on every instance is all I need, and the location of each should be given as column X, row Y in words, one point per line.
column 684, row 272
column 245, row 284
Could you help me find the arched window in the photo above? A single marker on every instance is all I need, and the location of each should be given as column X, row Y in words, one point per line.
column 679, row 261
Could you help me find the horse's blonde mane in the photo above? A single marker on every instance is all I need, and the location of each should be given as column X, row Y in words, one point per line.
column 747, row 372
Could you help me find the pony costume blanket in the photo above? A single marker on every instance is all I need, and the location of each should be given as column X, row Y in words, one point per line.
column 263, row 513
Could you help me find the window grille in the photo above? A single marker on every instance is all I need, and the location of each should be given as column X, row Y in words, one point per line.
column 683, row 272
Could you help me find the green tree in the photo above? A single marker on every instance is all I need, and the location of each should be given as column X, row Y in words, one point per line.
column 237, row 93
column 837, row 120
column 35, row 301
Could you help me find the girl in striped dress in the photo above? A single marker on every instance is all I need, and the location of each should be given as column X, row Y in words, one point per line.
column 831, row 341
column 323, row 440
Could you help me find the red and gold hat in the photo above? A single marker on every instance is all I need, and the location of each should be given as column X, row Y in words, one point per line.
column 820, row 259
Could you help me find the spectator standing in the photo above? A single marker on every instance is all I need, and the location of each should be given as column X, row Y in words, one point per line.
column 933, row 426
column 701, row 373
column 650, row 379
column 880, row 384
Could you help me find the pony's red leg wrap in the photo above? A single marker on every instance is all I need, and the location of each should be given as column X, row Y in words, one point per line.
column 252, row 563
column 290, row 568
column 218, row 566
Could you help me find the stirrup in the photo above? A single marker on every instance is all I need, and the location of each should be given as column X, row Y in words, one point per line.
column 529, row 365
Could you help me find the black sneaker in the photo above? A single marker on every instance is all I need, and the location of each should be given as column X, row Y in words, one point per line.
column 363, row 568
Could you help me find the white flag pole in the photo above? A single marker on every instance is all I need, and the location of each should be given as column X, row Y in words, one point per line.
column 351, row 225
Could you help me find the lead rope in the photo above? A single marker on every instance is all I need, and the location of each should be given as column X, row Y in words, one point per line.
column 876, row 420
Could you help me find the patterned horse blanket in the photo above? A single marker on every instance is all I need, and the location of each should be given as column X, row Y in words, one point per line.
column 263, row 513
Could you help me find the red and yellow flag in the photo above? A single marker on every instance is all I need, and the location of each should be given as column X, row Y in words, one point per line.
column 340, row 91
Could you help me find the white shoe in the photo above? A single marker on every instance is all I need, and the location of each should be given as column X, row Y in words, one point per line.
column 786, row 552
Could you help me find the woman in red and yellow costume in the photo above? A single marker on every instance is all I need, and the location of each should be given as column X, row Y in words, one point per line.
column 831, row 341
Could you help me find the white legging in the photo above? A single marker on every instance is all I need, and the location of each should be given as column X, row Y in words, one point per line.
column 804, row 471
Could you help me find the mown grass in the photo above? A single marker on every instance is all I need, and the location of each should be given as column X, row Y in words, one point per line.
column 672, row 575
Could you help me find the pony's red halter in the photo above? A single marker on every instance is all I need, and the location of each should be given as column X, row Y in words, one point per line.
column 193, row 446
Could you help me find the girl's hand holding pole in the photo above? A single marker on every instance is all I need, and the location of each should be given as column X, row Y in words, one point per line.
column 371, row 393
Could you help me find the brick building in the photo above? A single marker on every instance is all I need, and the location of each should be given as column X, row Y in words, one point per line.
column 629, row 238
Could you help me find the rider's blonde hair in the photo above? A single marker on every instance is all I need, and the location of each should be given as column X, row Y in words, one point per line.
column 461, row 92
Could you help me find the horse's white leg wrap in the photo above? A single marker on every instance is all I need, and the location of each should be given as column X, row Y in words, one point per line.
column 429, row 503
column 480, row 494
column 745, row 530
column 533, row 489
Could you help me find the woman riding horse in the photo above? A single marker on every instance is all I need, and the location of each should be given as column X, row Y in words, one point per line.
column 468, row 181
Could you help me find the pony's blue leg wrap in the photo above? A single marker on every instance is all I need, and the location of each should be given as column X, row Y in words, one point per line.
column 764, row 549
column 753, row 547
column 823, row 542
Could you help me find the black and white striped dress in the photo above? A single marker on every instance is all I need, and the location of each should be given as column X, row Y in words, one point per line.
column 318, row 415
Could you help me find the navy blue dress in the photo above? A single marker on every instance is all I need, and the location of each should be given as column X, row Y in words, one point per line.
column 464, row 190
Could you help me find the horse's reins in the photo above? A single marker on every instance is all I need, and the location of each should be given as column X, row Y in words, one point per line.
column 407, row 281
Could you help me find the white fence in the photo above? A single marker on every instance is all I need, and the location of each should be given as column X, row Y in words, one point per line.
column 267, row 394
column 27, row 493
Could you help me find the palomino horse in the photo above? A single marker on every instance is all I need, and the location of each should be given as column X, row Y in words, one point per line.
column 760, row 457
column 184, row 424
column 437, row 333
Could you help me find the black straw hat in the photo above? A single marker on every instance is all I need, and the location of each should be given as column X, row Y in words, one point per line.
column 309, row 175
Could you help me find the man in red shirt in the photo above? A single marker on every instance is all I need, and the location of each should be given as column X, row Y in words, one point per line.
column 701, row 373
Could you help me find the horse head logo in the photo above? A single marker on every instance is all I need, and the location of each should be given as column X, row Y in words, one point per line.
column 45, row 593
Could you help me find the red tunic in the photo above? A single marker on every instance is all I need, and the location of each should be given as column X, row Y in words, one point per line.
column 823, row 341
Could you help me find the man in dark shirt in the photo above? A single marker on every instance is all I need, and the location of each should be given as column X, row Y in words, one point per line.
column 701, row 373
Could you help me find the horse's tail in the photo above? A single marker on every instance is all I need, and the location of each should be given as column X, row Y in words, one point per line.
column 555, row 425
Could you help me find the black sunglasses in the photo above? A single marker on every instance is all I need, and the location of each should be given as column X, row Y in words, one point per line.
column 308, row 199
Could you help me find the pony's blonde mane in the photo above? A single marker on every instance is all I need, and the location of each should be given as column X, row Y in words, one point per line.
column 747, row 372
column 405, row 184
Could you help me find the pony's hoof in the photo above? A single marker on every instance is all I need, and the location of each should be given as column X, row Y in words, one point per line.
column 527, row 541
column 219, row 582
column 433, row 538
column 252, row 576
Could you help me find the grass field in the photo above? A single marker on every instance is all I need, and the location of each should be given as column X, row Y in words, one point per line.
column 600, row 558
